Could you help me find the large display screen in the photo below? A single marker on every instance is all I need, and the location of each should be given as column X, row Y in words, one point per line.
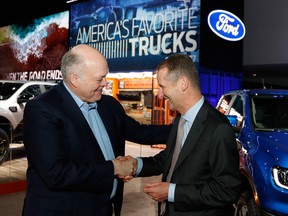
column 33, row 50
column 137, row 35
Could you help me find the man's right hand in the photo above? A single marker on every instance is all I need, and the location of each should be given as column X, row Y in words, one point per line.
column 125, row 166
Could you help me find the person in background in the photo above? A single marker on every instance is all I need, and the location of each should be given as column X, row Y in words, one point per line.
column 205, row 180
column 74, row 136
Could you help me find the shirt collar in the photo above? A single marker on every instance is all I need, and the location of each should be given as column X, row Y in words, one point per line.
column 78, row 101
column 190, row 115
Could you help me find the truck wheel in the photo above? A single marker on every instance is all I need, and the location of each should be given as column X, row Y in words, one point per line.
column 246, row 206
column 4, row 146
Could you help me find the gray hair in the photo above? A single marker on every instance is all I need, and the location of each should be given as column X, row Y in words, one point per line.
column 71, row 63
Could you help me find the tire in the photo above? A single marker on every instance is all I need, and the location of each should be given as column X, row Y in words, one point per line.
column 4, row 146
column 246, row 206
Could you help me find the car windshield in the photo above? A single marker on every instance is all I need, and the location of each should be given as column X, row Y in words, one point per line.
column 8, row 88
column 269, row 111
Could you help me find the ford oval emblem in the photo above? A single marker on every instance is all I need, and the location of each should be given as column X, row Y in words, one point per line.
column 226, row 25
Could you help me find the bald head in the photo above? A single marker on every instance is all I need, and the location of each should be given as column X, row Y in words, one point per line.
column 87, row 52
column 84, row 71
column 78, row 57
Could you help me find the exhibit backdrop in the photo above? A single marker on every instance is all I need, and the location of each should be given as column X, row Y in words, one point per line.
column 33, row 50
column 137, row 34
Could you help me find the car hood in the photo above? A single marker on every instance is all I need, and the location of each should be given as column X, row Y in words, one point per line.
column 2, row 102
column 274, row 143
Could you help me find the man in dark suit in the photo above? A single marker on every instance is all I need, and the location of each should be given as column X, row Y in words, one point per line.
column 72, row 165
column 206, row 180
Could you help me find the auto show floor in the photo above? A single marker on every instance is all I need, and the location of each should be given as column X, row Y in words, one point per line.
column 136, row 202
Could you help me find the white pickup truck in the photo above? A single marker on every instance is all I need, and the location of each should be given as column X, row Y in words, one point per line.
column 13, row 97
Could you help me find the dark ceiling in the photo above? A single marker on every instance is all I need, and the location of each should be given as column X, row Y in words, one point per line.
column 14, row 12
column 19, row 12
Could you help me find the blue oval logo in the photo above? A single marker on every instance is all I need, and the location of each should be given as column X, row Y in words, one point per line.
column 226, row 25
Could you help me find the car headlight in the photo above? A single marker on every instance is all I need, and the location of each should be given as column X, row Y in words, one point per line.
column 280, row 176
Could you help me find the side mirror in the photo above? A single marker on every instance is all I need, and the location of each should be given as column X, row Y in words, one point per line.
column 24, row 98
column 232, row 119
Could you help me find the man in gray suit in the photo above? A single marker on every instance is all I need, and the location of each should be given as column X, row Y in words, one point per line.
column 206, row 180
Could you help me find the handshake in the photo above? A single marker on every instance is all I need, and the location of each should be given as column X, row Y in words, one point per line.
column 125, row 167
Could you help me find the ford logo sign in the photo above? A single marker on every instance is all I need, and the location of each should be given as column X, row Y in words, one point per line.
column 226, row 25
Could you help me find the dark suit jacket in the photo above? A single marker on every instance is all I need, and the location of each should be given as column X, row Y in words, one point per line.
column 207, row 176
column 67, row 173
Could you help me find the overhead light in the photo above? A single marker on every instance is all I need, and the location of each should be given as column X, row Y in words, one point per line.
column 71, row 1
column 75, row 1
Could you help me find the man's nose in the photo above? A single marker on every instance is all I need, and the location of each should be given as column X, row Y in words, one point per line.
column 160, row 94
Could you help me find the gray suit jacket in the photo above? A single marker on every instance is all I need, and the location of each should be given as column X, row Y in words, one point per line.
column 207, row 176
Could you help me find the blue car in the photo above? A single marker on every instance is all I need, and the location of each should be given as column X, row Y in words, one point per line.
column 260, row 120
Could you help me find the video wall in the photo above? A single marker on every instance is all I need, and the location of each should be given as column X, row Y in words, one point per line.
column 33, row 50
column 137, row 35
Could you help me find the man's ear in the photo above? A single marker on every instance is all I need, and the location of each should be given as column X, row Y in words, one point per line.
column 74, row 80
column 183, row 81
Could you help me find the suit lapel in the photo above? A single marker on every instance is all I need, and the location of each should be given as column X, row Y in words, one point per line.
column 170, row 146
column 193, row 135
column 107, row 120
column 74, row 112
